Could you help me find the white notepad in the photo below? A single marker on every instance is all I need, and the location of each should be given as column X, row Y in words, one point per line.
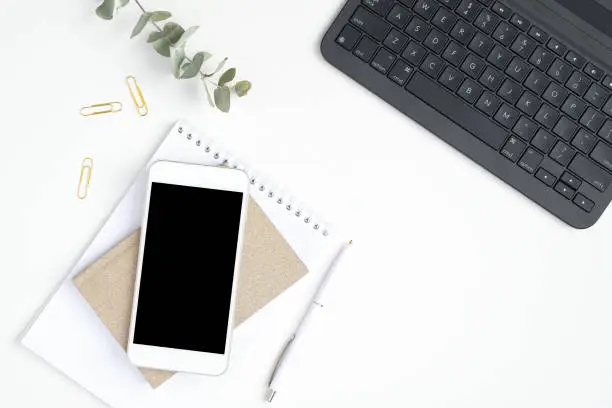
column 70, row 336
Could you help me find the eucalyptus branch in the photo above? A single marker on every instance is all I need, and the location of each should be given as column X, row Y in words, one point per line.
column 170, row 41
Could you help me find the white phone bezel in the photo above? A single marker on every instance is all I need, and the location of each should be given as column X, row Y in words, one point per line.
column 175, row 359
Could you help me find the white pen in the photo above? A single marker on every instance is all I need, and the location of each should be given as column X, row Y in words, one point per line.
column 314, row 303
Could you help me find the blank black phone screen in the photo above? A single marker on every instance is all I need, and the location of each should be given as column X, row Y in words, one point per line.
column 188, row 268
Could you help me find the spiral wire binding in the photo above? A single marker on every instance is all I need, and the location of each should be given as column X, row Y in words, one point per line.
column 270, row 192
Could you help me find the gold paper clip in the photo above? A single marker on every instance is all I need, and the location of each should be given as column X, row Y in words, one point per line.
column 85, row 178
column 139, row 100
column 101, row 108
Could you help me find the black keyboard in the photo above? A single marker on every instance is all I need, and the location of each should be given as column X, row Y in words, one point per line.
column 495, row 86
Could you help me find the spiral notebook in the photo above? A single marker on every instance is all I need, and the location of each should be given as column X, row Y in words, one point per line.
column 68, row 334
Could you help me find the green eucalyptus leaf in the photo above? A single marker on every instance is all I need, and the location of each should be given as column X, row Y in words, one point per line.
column 156, row 35
column 177, row 61
column 106, row 10
column 175, row 32
column 228, row 76
column 219, row 67
column 122, row 3
column 160, row 15
column 188, row 33
column 208, row 95
column 194, row 67
column 242, row 88
column 140, row 25
column 222, row 98
column 162, row 46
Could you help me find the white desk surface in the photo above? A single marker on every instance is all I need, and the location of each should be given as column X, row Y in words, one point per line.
column 459, row 291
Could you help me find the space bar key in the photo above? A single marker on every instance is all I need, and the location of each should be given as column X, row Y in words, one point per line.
column 457, row 111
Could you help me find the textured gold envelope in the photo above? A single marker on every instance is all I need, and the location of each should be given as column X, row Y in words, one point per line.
column 268, row 267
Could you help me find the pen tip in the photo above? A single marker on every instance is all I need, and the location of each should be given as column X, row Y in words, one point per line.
column 270, row 393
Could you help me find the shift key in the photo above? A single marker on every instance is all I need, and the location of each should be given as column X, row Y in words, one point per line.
column 370, row 23
column 603, row 155
column 590, row 172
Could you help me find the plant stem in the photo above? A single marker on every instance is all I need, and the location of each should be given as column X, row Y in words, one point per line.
column 160, row 30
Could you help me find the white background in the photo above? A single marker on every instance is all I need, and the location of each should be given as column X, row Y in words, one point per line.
column 459, row 291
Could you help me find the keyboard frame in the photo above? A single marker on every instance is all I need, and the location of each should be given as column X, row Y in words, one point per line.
column 453, row 134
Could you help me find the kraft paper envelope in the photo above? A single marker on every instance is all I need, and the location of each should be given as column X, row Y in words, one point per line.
column 268, row 267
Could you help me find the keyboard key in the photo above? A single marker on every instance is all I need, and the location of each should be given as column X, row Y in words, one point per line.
column 491, row 78
column 571, row 180
column 414, row 53
column 606, row 131
column 370, row 23
column 348, row 37
column 545, row 177
column 555, row 94
column 436, row 41
column 500, row 57
column 469, row 9
column 502, row 10
column 565, row 129
column 543, row 141
column 473, row 66
column 584, row 203
column 365, row 49
column 541, row 58
column 488, row 103
column 401, row 72
column 547, row 116
column 565, row 190
column 603, row 155
column 426, row 8
column 575, row 59
column 408, row 3
column 399, row 16
column 451, row 78
column 593, row 71
column 562, row 154
column 505, row 33
column 525, row 128
column 444, row 20
column 578, row 83
column 381, row 7
column 531, row 160
column 537, row 82
column 574, row 107
column 470, row 91
column 396, row 41
column 510, row 91
column 556, row 47
column 592, row 120
column 560, row 71
column 518, row 69
column 597, row 95
column 523, row 46
column 590, row 172
column 451, row 4
column 481, row 45
column 462, row 32
column 383, row 61
column 486, row 2
column 432, row 66
column 513, row 149
column 452, row 107
column 417, row 29
column 520, row 22
column 608, row 82
column 608, row 107
column 454, row 53
column 506, row 116
column 529, row 103
column 538, row 34
column 584, row 141
column 487, row 21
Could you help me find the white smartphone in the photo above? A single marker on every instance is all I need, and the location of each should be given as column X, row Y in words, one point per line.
column 190, row 245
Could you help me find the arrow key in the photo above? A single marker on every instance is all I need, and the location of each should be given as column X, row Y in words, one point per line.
column 584, row 203
column 571, row 180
